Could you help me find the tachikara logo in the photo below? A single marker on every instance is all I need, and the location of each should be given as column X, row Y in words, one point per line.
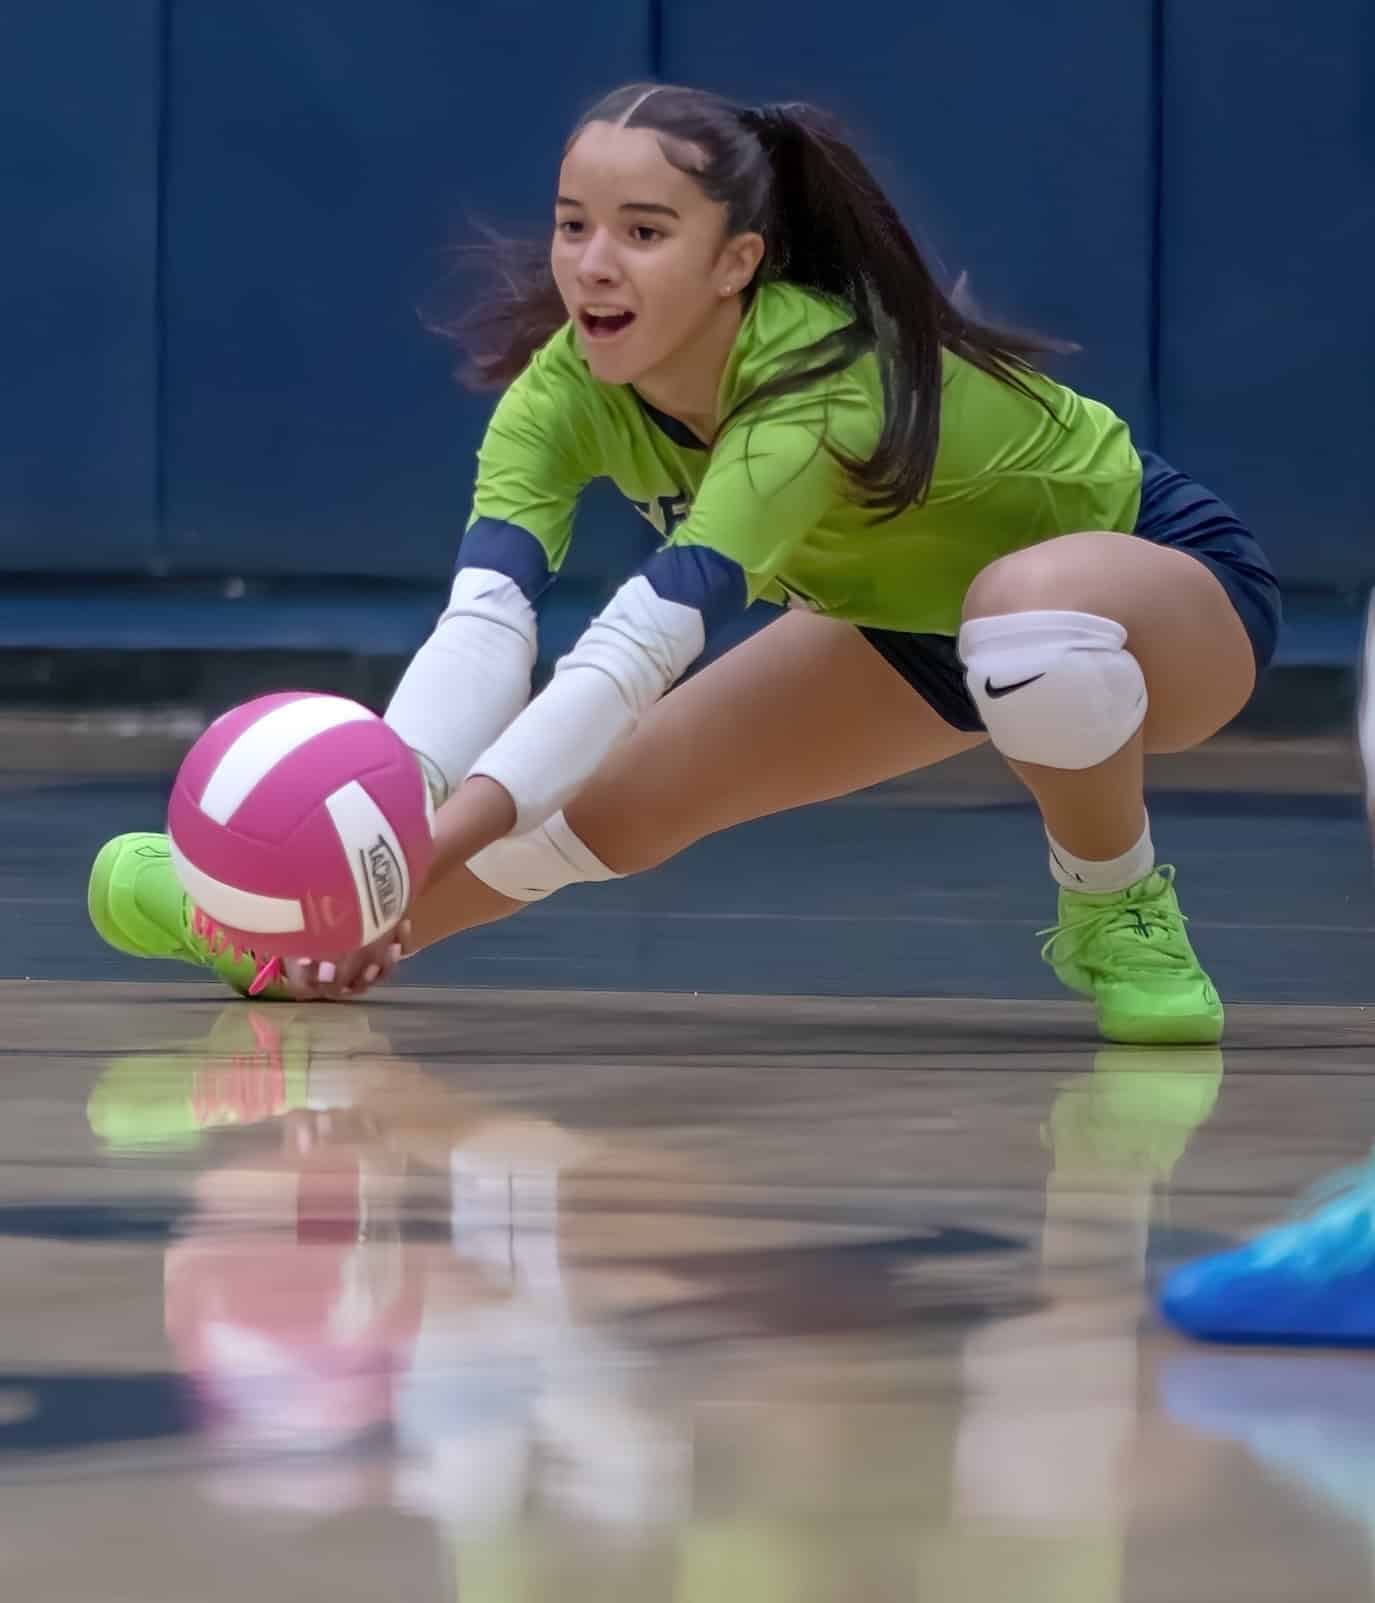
column 384, row 877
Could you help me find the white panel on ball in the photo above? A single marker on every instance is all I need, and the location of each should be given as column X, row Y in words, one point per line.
column 227, row 904
column 374, row 856
column 275, row 735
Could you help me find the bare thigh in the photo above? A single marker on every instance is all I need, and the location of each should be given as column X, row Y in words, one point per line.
column 802, row 711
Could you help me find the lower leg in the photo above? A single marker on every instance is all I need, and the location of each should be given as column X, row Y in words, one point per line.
column 1095, row 819
column 1155, row 618
column 1097, row 812
column 1157, row 659
column 1064, row 702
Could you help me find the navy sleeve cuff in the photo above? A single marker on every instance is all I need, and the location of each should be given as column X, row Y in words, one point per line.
column 509, row 549
column 699, row 577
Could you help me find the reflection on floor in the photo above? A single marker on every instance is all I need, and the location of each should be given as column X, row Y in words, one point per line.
column 533, row 1295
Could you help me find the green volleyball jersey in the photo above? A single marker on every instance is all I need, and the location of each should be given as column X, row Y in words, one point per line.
column 766, row 511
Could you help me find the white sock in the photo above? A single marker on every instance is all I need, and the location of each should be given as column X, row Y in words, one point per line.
column 1083, row 874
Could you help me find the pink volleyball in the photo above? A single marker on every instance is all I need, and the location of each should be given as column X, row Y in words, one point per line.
column 301, row 824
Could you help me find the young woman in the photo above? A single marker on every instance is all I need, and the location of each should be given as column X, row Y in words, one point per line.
column 733, row 325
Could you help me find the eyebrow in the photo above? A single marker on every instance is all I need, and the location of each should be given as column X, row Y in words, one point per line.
column 649, row 206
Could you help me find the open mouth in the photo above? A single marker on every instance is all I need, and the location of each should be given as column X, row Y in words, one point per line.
column 604, row 325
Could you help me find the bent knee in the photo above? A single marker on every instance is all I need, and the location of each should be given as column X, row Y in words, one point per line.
column 1015, row 583
column 1057, row 573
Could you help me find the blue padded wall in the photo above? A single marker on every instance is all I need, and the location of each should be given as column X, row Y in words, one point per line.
column 1267, row 371
column 79, row 98
column 221, row 216
column 323, row 154
column 1018, row 145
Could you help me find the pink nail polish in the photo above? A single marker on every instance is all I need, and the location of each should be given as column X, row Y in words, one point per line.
column 327, row 973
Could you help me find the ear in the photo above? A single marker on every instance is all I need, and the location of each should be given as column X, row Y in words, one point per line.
column 740, row 259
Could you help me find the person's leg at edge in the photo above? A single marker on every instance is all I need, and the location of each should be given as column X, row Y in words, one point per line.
column 1308, row 1280
column 1085, row 654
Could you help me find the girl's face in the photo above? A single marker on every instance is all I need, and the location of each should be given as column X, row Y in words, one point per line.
column 641, row 259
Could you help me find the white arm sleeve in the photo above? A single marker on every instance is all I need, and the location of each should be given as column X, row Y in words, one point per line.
column 471, row 677
column 626, row 659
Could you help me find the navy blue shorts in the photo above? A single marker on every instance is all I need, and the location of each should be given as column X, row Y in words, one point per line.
column 1174, row 511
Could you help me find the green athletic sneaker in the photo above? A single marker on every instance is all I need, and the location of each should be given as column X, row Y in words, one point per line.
column 1127, row 950
column 138, row 906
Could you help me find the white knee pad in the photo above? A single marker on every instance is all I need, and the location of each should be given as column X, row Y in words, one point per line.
column 1054, row 688
column 529, row 867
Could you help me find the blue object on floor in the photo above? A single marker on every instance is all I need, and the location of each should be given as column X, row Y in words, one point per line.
column 1310, row 1282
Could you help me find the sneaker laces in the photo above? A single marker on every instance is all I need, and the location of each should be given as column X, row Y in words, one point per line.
column 219, row 941
column 1149, row 917
column 1332, row 1231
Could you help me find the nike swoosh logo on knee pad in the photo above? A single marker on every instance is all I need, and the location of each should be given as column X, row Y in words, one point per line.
column 993, row 692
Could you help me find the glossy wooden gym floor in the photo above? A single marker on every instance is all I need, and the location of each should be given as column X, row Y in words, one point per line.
column 767, row 1229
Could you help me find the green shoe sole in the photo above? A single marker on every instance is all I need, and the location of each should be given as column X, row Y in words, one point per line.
column 1163, row 1029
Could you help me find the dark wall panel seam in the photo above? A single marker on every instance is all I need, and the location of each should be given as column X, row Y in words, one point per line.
column 163, row 158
